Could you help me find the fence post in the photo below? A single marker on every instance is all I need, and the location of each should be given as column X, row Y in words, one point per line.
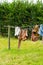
column 8, row 37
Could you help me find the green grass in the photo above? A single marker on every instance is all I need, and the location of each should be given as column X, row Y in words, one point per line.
column 30, row 53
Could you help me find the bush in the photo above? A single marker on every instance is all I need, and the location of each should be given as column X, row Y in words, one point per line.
column 20, row 13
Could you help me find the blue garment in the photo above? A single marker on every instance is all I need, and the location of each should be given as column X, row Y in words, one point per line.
column 41, row 30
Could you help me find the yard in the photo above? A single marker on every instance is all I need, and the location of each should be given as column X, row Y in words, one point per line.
column 30, row 53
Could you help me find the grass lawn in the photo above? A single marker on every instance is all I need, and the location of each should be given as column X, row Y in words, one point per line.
column 30, row 53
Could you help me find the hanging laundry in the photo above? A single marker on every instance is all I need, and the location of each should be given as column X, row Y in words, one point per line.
column 24, row 34
column 17, row 31
column 40, row 32
column 35, row 35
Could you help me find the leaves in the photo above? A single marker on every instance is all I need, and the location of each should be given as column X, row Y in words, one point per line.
column 21, row 13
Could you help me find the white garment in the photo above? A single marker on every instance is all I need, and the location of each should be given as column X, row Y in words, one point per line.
column 17, row 31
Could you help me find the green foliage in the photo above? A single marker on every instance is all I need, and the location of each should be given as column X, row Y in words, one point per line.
column 21, row 13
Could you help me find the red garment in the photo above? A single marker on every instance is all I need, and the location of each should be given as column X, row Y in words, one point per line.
column 23, row 34
column 34, row 37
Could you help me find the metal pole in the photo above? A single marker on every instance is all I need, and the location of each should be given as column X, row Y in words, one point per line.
column 8, row 37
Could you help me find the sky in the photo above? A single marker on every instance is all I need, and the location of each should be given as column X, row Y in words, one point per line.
column 12, row 0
